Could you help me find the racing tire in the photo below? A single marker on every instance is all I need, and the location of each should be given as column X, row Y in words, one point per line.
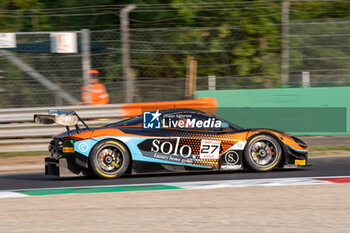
column 263, row 153
column 109, row 159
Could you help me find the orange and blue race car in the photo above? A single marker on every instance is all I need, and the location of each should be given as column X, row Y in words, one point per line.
column 174, row 140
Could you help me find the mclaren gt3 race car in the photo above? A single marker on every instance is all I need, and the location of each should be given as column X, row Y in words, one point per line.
column 175, row 140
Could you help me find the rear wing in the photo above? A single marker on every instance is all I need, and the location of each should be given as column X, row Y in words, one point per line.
column 61, row 117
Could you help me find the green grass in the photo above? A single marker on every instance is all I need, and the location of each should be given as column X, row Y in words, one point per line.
column 31, row 153
column 328, row 148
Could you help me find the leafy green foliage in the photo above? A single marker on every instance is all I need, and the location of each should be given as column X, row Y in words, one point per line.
column 238, row 40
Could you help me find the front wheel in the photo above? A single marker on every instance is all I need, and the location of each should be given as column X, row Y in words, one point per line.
column 109, row 159
column 263, row 153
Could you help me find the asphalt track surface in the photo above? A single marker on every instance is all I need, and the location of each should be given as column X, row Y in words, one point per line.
column 322, row 166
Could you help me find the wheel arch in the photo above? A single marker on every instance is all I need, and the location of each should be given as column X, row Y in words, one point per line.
column 128, row 171
column 283, row 146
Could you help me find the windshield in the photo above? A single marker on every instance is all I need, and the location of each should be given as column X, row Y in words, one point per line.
column 231, row 125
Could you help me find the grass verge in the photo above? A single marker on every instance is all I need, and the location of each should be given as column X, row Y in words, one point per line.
column 30, row 153
column 328, row 148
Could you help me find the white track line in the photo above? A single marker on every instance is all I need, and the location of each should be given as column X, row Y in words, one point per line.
column 8, row 194
column 250, row 183
column 206, row 184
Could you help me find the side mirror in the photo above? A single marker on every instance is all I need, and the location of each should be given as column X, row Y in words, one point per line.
column 224, row 125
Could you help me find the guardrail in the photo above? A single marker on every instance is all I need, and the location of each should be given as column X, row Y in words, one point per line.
column 12, row 115
column 19, row 133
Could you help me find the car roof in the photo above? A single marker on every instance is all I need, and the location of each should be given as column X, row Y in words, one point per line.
column 173, row 110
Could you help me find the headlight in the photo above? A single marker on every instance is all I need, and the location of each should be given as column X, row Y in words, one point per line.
column 300, row 142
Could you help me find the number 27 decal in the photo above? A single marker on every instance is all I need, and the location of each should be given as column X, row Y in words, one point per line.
column 209, row 149
column 206, row 149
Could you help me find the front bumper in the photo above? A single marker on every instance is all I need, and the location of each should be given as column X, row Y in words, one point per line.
column 296, row 159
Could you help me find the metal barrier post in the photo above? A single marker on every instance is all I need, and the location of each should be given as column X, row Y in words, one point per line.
column 305, row 79
column 211, row 82
column 285, row 43
column 124, row 28
column 86, row 59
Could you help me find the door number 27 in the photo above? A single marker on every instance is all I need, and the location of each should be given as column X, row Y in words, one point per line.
column 209, row 149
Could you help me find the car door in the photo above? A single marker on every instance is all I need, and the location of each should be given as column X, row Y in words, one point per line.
column 201, row 142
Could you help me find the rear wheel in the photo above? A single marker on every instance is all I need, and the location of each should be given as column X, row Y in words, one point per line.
column 109, row 159
column 263, row 153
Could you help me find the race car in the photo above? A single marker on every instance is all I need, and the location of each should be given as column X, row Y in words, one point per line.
column 173, row 140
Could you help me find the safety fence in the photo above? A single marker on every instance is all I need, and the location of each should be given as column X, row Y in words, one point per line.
column 240, row 43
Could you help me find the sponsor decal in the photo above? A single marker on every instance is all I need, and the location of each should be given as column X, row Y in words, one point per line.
column 191, row 123
column 231, row 167
column 167, row 148
column 151, row 120
column 209, row 149
column 300, row 162
column 83, row 147
column 174, row 149
column 231, row 160
column 156, row 120
column 238, row 146
column 231, row 157
column 191, row 151
column 68, row 150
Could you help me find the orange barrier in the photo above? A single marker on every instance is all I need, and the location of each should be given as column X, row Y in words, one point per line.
column 207, row 104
